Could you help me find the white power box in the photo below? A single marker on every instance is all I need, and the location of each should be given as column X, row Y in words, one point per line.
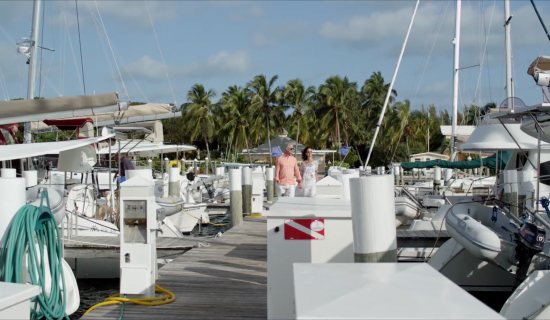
column 305, row 230
column 139, row 223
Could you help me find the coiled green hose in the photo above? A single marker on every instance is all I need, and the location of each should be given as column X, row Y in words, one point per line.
column 35, row 228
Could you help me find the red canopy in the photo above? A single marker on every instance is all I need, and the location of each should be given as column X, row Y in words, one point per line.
column 69, row 124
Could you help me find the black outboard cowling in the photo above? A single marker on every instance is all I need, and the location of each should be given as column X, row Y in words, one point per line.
column 531, row 240
column 532, row 236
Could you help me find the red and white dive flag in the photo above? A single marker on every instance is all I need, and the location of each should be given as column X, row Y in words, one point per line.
column 305, row 229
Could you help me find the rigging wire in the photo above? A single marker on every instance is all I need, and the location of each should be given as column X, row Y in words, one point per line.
column 72, row 50
column 484, row 54
column 51, row 84
column 80, row 44
column 439, row 20
column 161, row 56
column 41, row 87
column 16, row 56
column 111, row 47
column 102, row 41
column 118, row 56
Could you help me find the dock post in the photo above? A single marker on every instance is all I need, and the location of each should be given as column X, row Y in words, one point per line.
column 166, row 165
column 401, row 176
column 269, row 175
column 373, row 218
column 396, row 175
column 448, row 176
column 247, row 190
column 174, row 182
column 437, row 178
column 235, row 197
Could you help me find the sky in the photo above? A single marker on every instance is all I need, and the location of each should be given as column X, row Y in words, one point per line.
column 154, row 51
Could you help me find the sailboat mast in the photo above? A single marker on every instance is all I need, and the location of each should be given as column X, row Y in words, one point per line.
column 456, row 42
column 508, row 43
column 33, row 50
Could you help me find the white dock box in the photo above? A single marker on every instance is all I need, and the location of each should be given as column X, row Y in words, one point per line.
column 328, row 187
column 15, row 300
column 308, row 230
column 381, row 291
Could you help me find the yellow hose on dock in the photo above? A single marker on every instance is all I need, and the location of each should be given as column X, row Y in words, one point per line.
column 157, row 301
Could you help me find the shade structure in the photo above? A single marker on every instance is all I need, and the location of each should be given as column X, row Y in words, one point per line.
column 56, row 108
column 20, row 151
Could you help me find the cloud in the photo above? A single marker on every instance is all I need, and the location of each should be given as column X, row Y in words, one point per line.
column 221, row 64
column 228, row 3
column 248, row 14
column 15, row 12
column 128, row 13
column 384, row 30
column 270, row 35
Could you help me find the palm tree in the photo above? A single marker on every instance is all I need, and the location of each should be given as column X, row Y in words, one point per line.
column 199, row 111
column 237, row 103
column 299, row 97
column 264, row 96
column 337, row 96
column 402, row 118
column 375, row 90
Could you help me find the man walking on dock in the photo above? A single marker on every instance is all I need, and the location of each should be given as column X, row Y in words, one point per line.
column 285, row 170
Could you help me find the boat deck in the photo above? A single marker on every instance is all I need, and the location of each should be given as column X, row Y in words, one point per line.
column 224, row 277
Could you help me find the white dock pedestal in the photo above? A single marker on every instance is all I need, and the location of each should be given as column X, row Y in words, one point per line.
column 381, row 291
column 307, row 230
column 15, row 300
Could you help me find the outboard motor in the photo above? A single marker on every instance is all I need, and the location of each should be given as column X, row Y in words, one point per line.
column 531, row 240
column 211, row 190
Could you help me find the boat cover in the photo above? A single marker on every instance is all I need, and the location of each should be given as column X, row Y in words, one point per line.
column 489, row 162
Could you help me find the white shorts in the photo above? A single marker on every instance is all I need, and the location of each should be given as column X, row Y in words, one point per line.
column 286, row 190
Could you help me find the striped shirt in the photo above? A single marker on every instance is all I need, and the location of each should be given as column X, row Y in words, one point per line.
column 286, row 168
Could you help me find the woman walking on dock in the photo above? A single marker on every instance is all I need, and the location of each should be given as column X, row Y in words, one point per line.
column 308, row 171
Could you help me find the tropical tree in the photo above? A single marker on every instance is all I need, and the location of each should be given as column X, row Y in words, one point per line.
column 198, row 111
column 299, row 97
column 402, row 117
column 237, row 103
column 374, row 92
column 265, row 95
column 337, row 96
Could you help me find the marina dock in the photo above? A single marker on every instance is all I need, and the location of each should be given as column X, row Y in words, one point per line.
column 225, row 277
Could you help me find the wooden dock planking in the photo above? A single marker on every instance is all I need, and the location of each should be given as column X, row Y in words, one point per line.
column 227, row 279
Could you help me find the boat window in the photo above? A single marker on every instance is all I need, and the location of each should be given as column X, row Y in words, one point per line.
column 521, row 159
column 545, row 173
column 417, row 160
column 428, row 159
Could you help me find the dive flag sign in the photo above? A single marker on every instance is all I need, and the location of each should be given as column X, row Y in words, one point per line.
column 305, row 229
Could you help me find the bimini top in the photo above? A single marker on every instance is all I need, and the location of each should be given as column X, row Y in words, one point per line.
column 145, row 148
column 20, row 151
column 55, row 108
